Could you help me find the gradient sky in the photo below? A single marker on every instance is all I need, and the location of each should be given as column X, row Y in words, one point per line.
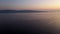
column 30, row 4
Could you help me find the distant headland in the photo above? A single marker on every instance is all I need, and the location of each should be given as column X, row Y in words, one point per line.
column 19, row 11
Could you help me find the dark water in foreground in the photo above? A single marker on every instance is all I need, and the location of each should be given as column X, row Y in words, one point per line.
column 30, row 23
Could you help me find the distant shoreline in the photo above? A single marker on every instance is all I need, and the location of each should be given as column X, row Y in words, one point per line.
column 20, row 11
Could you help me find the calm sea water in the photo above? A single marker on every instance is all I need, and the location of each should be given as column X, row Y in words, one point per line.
column 30, row 23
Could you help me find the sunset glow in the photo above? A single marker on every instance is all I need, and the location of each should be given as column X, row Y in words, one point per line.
column 30, row 4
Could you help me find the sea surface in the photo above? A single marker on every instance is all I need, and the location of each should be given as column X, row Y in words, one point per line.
column 30, row 23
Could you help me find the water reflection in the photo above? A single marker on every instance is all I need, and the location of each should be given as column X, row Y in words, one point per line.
column 45, row 22
column 49, row 20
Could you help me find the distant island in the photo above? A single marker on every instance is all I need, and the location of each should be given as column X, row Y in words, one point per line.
column 19, row 11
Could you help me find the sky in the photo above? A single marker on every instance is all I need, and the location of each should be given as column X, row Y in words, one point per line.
column 30, row 4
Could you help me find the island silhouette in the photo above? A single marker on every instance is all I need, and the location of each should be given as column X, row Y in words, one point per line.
column 19, row 11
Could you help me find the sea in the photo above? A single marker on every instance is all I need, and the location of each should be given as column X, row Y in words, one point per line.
column 30, row 23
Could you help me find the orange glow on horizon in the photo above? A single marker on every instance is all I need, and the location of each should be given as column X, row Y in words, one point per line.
column 40, row 8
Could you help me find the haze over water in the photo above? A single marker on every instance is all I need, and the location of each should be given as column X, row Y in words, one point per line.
column 31, row 23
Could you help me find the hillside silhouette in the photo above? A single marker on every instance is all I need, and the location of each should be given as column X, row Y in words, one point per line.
column 19, row 11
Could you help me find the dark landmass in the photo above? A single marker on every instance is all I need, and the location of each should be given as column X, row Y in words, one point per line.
column 19, row 11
